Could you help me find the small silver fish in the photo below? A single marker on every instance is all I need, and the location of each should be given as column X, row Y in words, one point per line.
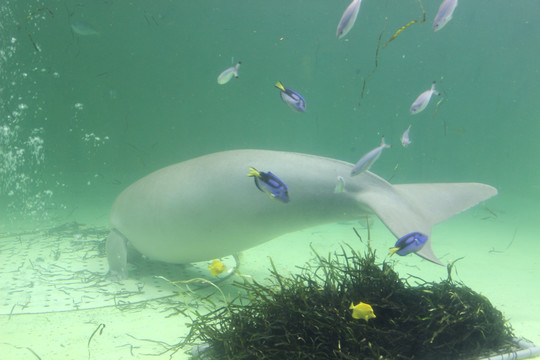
column 405, row 141
column 340, row 185
column 423, row 100
column 82, row 28
column 368, row 159
column 348, row 18
column 228, row 74
column 444, row 15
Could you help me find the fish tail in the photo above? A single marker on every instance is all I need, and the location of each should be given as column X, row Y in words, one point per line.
column 236, row 69
column 417, row 207
column 253, row 173
column 280, row 86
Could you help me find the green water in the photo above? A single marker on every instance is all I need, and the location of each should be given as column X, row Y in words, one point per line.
column 86, row 111
column 83, row 116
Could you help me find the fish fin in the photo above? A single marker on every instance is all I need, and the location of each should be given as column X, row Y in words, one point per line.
column 435, row 92
column 261, row 188
column 384, row 144
column 441, row 201
column 417, row 207
column 427, row 253
column 280, row 86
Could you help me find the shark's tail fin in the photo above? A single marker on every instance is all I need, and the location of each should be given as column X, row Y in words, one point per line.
column 417, row 207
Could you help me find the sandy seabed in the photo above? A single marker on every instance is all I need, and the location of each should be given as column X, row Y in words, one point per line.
column 499, row 247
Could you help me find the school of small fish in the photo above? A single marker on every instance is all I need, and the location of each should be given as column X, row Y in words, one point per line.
column 297, row 103
column 276, row 189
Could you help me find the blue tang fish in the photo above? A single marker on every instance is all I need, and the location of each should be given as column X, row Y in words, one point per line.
column 409, row 243
column 292, row 98
column 270, row 184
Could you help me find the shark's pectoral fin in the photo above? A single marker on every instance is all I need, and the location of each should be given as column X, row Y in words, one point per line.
column 417, row 207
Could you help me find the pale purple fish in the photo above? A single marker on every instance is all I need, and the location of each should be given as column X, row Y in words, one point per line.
column 405, row 141
column 444, row 14
column 228, row 74
column 348, row 18
column 368, row 159
column 423, row 100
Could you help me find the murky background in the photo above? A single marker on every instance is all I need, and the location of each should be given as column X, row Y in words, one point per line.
column 95, row 95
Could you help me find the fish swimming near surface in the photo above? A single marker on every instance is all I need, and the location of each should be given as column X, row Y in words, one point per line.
column 228, row 74
column 368, row 159
column 409, row 243
column 216, row 268
column 405, row 140
column 82, row 28
column 444, row 15
column 270, row 184
column 362, row 311
column 423, row 99
column 348, row 18
column 290, row 97
column 201, row 209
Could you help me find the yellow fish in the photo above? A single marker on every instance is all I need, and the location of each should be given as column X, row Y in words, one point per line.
column 217, row 267
column 362, row 311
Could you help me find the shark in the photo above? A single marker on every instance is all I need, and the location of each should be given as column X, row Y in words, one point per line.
column 207, row 207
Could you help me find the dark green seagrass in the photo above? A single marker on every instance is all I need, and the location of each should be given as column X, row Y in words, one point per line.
column 307, row 316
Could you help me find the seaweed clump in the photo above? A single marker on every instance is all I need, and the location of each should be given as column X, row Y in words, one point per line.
column 307, row 316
